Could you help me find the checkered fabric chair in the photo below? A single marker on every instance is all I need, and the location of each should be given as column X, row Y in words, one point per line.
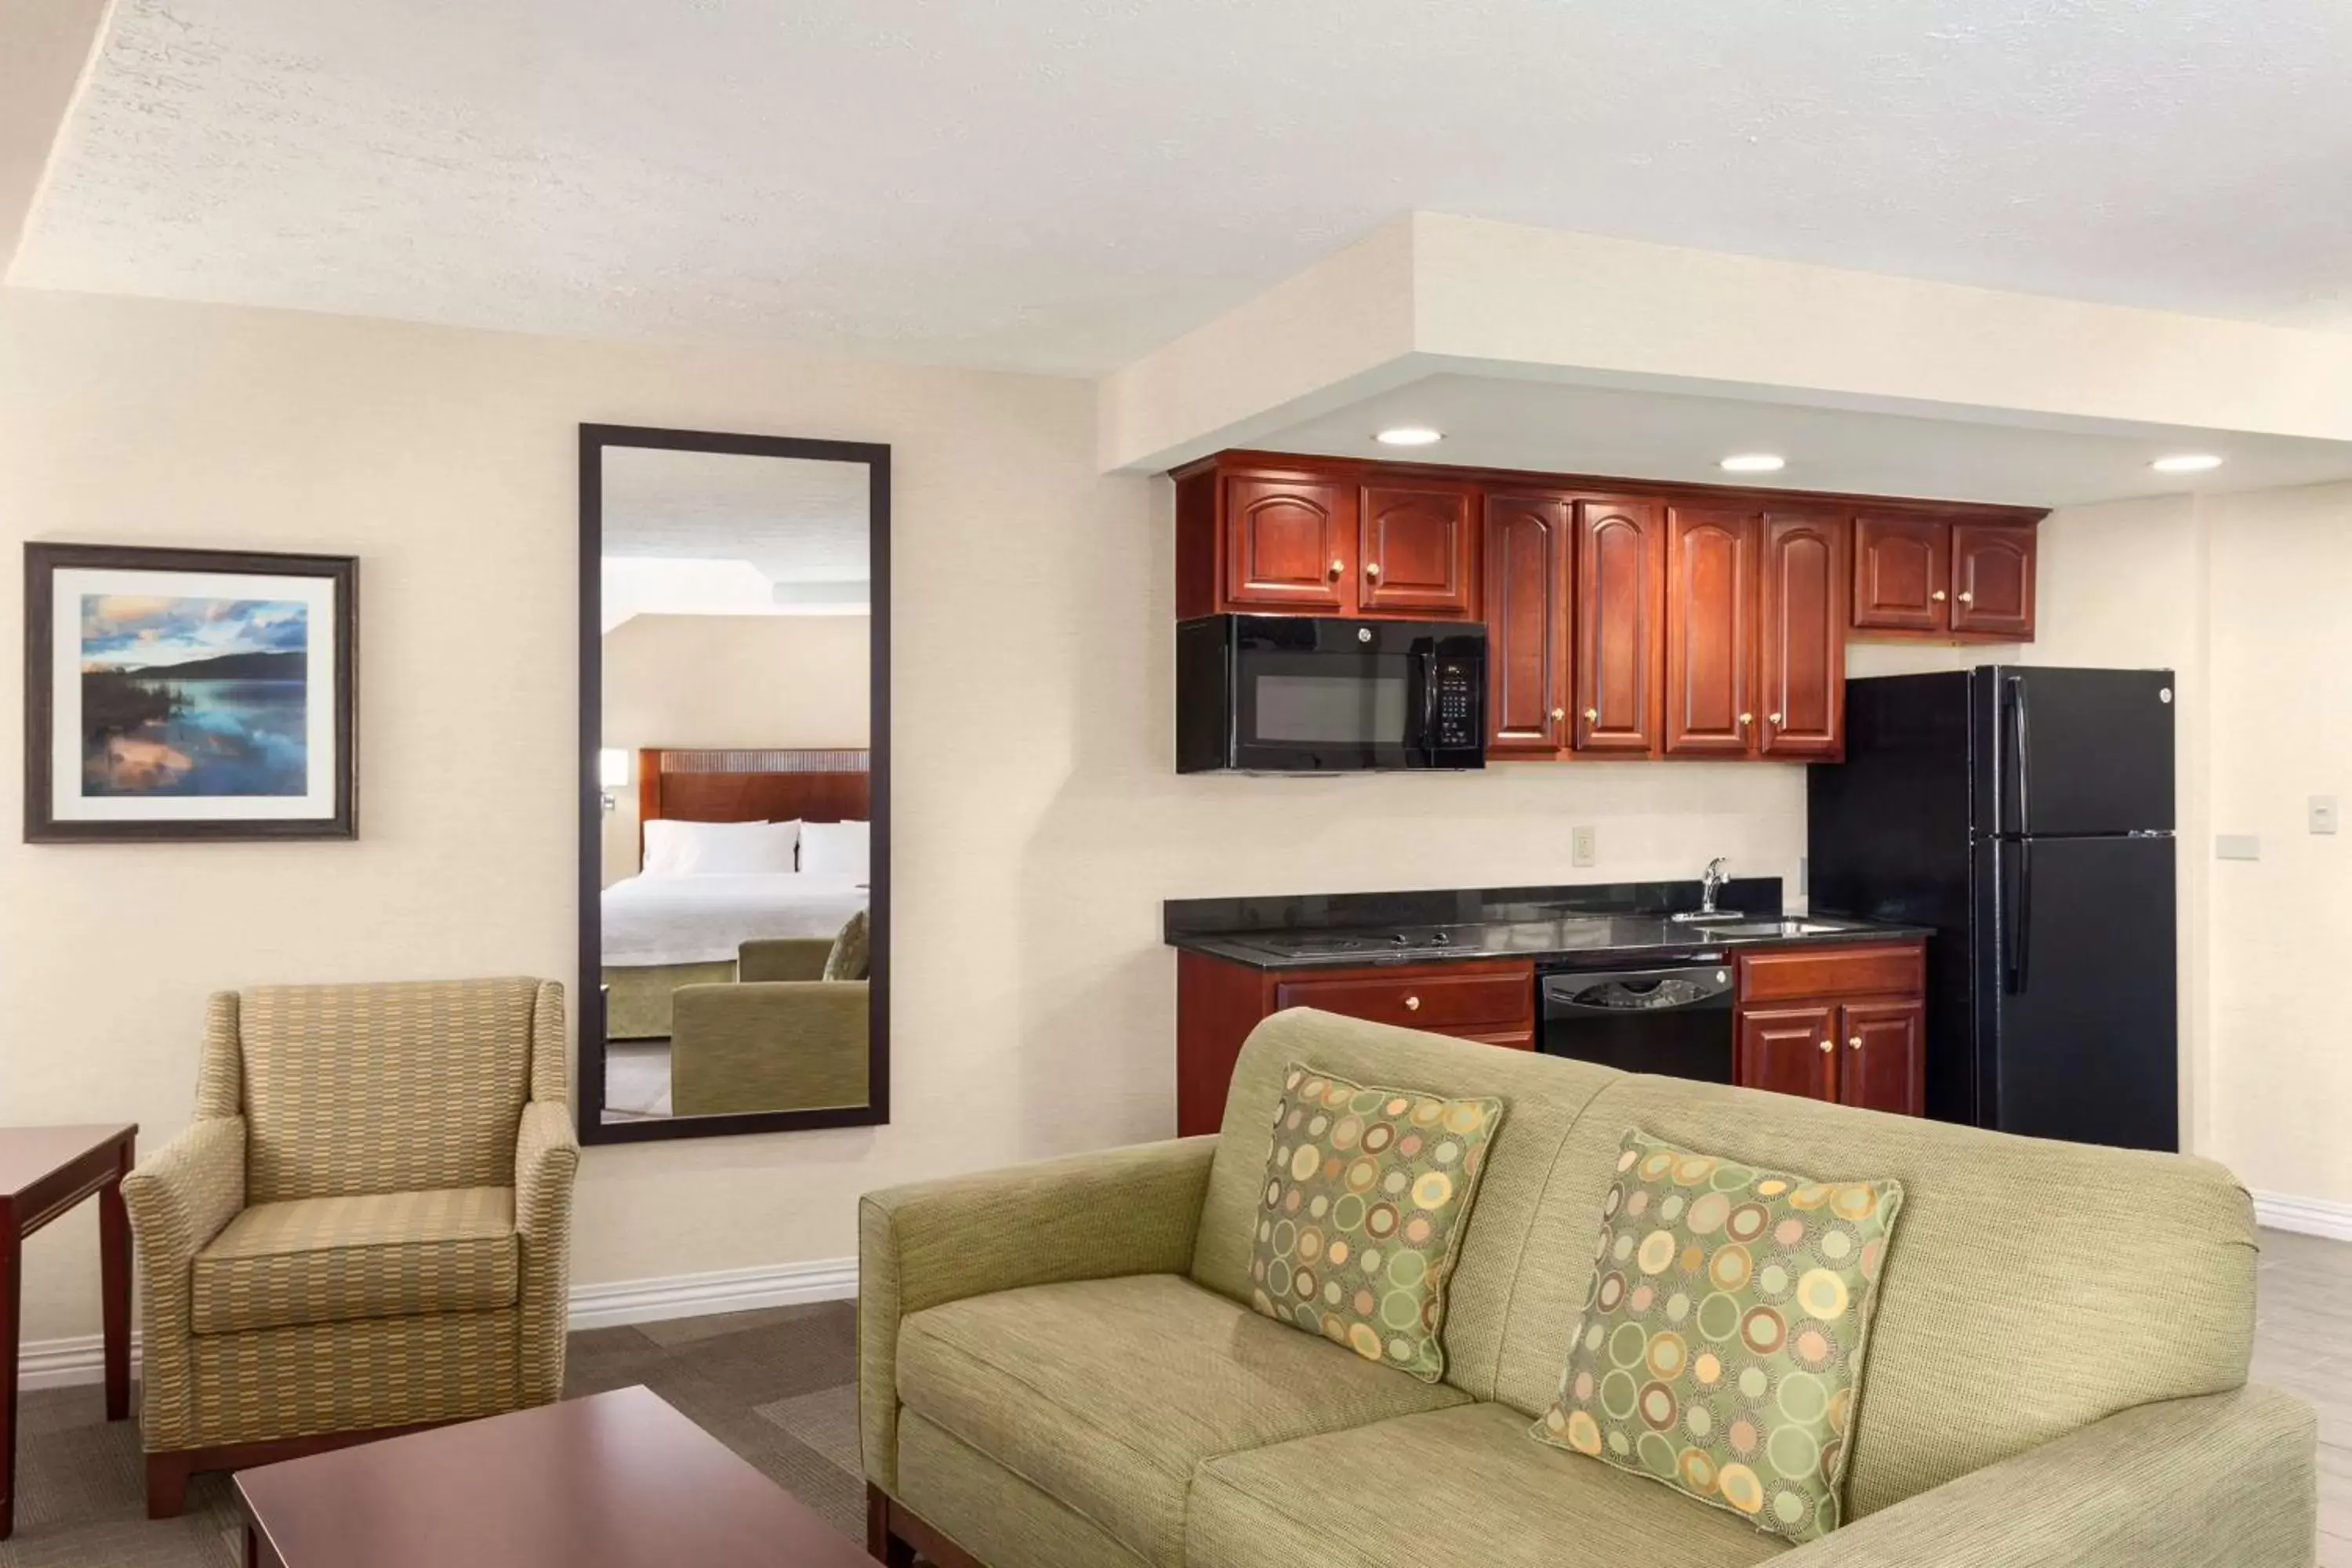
column 367, row 1227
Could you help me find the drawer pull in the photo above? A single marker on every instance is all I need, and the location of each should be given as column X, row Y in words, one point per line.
column 1413, row 1004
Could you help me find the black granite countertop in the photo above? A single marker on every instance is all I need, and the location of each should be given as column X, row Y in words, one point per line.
column 1590, row 926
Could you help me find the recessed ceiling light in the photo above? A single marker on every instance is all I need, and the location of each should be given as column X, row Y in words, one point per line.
column 2186, row 463
column 1409, row 436
column 1753, row 463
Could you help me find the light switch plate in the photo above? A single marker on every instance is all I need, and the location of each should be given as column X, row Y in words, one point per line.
column 2237, row 847
column 1580, row 846
column 2322, row 813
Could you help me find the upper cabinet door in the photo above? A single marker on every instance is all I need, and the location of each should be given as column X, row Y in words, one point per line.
column 1993, row 579
column 1900, row 574
column 1290, row 544
column 1621, row 562
column 1529, row 543
column 1803, row 635
column 1710, row 692
column 1420, row 552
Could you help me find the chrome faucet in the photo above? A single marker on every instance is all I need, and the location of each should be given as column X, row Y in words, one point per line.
column 1710, row 884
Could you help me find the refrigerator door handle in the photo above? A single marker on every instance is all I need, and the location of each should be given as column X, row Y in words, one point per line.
column 2017, row 922
column 2021, row 752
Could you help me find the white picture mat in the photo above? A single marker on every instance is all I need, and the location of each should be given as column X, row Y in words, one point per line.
column 70, row 584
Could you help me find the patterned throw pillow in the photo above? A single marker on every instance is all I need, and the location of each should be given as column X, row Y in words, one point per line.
column 1721, row 1345
column 848, row 956
column 1363, row 1211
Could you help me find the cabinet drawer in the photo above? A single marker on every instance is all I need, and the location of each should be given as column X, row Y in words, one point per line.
column 1494, row 1001
column 1792, row 974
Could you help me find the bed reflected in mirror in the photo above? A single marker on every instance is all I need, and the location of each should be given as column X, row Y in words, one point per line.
column 734, row 846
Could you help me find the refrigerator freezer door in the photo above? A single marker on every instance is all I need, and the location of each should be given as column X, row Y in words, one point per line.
column 2075, row 751
column 2079, row 1038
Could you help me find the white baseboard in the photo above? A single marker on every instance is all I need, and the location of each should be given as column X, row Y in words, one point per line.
column 2305, row 1216
column 58, row 1363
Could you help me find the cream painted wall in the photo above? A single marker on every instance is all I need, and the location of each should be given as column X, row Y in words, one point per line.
column 1039, row 819
column 729, row 681
column 2282, row 925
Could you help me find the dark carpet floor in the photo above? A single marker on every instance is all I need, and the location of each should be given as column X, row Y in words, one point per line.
column 778, row 1387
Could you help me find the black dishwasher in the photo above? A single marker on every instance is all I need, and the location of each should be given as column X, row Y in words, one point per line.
column 1673, row 1018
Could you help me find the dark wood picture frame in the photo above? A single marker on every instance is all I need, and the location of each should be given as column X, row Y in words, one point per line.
column 593, row 1129
column 44, row 560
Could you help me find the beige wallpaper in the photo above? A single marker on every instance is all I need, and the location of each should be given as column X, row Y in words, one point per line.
column 1039, row 822
column 726, row 681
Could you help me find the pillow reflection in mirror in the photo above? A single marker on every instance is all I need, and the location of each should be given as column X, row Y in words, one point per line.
column 676, row 848
column 840, row 848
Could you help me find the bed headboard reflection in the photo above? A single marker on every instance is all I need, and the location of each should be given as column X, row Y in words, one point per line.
column 752, row 786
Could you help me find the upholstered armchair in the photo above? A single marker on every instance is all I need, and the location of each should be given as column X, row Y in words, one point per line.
column 366, row 1228
column 789, row 1035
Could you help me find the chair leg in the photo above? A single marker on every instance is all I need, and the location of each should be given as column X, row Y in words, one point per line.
column 880, row 1544
column 167, row 1484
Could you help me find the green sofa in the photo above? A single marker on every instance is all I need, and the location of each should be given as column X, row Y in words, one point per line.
column 778, row 1037
column 1058, row 1367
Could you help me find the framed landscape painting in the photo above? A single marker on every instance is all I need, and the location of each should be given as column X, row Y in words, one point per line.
column 188, row 694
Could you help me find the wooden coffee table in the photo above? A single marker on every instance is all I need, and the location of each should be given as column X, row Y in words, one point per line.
column 45, row 1171
column 613, row 1480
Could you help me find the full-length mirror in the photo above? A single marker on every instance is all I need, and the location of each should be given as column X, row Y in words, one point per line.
column 734, row 757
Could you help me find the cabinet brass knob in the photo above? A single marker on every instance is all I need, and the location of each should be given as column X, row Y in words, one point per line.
column 1340, row 566
column 1748, row 718
column 1937, row 596
column 1854, row 1044
column 1592, row 715
column 1829, row 1044
column 1413, row 1004
column 1775, row 718
column 1557, row 714
column 1372, row 570
column 1966, row 597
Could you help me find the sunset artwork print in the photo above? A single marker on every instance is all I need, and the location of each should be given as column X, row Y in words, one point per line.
column 194, row 696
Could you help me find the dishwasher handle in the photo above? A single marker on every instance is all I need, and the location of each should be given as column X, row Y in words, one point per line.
column 1620, row 992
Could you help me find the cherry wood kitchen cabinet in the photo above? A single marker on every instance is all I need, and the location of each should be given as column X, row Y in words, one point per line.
column 1944, row 578
column 1218, row 1003
column 1845, row 1022
column 1619, row 599
column 1530, row 540
column 1710, row 630
column 1802, row 630
column 1419, row 551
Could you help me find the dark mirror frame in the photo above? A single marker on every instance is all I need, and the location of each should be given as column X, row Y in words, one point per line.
column 594, row 440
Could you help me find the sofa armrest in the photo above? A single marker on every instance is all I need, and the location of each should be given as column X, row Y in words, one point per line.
column 546, row 1158
column 2219, row 1478
column 180, row 1198
column 1088, row 1216
column 782, row 958
column 776, row 1045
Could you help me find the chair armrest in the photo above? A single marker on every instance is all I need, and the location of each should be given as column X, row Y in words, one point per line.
column 546, row 1158
column 782, row 958
column 180, row 1198
column 1088, row 1216
column 776, row 1045
column 2219, row 1478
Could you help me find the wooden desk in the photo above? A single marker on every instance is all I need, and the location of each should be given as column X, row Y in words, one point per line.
column 613, row 1480
column 45, row 1171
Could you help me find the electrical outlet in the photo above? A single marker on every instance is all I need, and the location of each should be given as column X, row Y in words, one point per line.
column 1580, row 846
column 2322, row 813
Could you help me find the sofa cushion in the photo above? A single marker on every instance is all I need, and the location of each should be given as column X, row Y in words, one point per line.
column 1721, row 1349
column 1107, row 1394
column 386, row 1255
column 1366, row 1193
column 1455, row 1487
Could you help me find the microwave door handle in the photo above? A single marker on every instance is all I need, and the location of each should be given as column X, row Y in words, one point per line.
column 1429, row 703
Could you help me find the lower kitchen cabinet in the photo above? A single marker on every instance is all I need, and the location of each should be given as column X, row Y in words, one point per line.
column 1846, row 1023
column 1218, row 1003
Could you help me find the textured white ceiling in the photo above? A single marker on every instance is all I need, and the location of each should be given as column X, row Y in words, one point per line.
column 1557, row 428
column 1062, row 183
column 797, row 521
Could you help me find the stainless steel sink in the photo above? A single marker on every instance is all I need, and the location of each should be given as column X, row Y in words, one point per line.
column 1781, row 927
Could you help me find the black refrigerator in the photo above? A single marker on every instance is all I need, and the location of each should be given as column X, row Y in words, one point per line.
column 2025, row 815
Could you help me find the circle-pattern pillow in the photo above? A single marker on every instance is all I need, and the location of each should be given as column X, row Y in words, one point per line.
column 1721, row 1346
column 1362, row 1212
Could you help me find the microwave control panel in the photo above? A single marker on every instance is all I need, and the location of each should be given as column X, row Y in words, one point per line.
column 1459, row 723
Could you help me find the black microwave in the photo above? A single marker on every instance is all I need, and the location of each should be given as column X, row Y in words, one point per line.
column 1315, row 694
